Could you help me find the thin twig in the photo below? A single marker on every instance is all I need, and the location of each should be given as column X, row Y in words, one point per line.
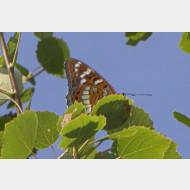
column 32, row 76
column 11, row 99
column 16, row 50
column 75, row 152
column 84, row 144
column 11, row 73
column 91, row 150
column 99, row 153
column 53, row 151
column 34, row 155
column 66, row 151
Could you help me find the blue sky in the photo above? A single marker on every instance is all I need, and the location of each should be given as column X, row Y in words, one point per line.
column 157, row 66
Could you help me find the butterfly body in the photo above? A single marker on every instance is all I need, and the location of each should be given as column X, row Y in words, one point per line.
column 85, row 85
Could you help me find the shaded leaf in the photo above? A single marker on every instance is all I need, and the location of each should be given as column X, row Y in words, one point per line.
column 188, row 35
column 47, row 133
column 67, row 156
column 171, row 153
column 6, row 84
column 106, row 155
column 185, row 43
column 138, row 117
column 72, row 112
column 116, row 109
column 51, row 54
column 77, row 131
column 25, row 97
column 11, row 46
column 182, row 118
column 25, row 72
column 135, row 37
column 5, row 119
column 42, row 35
column 19, row 136
column 143, row 145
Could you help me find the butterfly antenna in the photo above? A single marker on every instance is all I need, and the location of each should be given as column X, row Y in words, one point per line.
column 131, row 94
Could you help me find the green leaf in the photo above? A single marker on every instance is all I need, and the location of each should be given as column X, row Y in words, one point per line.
column 188, row 35
column 143, row 145
column 51, row 54
column 182, row 118
column 185, row 43
column 47, row 133
column 89, row 151
column 138, row 117
column 25, row 72
column 29, row 104
column 6, row 84
column 135, row 37
column 116, row 109
column 19, row 136
column 25, row 97
column 1, row 140
column 42, row 35
column 125, row 133
column 5, row 119
column 2, row 62
column 72, row 112
column 11, row 47
column 77, row 131
column 171, row 153
column 67, row 156
column 106, row 155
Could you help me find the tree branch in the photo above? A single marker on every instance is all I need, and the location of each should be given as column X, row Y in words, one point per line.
column 11, row 73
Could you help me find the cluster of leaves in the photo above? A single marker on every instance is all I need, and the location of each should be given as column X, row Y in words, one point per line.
column 129, row 128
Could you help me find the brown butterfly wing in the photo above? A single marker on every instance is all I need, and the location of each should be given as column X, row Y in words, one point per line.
column 85, row 85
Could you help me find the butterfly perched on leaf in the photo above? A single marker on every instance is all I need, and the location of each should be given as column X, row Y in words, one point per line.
column 85, row 85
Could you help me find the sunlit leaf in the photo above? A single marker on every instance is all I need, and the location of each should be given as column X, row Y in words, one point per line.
column 144, row 144
column 19, row 136
column 47, row 133
column 171, row 153
column 77, row 131
column 185, row 43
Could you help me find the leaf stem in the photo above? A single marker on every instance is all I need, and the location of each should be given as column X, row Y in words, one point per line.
column 34, row 155
column 11, row 74
column 32, row 76
column 75, row 153
column 16, row 51
column 66, row 151
column 83, row 144
column 99, row 153
column 53, row 151
column 11, row 99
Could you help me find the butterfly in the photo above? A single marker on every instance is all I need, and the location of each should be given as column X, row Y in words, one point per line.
column 85, row 84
